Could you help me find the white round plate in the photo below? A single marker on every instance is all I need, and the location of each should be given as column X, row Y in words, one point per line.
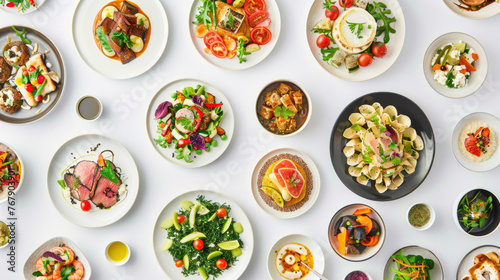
column 313, row 246
column 167, row 263
column 486, row 12
column 29, row 265
column 23, row 170
column 254, row 58
column 312, row 197
column 379, row 65
column 38, row 3
column 78, row 149
column 369, row 252
column 468, row 261
column 227, row 123
column 436, row 273
column 476, row 79
column 83, row 20
column 494, row 123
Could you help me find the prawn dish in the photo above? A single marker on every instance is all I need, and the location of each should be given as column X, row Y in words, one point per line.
column 59, row 263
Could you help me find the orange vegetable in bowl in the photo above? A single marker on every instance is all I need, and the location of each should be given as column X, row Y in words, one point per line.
column 366, row 222
column 362, row 211
column 342, row 240
column 465, row 62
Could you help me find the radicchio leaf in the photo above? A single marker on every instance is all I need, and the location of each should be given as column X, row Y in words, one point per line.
column 162, row 110
column 197, row 141
column 196, row 100
column 394, row 134
column 53, row 255
column 396, row 154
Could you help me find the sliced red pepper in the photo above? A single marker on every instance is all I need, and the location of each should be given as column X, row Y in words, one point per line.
column 166, row 128
column 183, row 142
column 213, row 105
column 198, row 121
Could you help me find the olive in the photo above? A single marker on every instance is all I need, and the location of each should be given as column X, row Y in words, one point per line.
column 443, row 68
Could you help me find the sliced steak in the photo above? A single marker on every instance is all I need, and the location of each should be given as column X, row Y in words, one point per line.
column 128, row 8
column 126, row 55
column 115, row 45
column 122, row 22
column 138, row 30
column 107, row 25
column 106, row 194
column 83, row 180
column 132, row 19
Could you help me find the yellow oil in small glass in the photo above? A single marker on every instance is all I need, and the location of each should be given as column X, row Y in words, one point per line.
column 118, row 251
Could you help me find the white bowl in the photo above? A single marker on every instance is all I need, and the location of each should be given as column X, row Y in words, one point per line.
column 113, row 262
column 476, row 79
column 431, row 221
column 487, row 165
column 23, row 170
column 6, row 244
column 309, row 103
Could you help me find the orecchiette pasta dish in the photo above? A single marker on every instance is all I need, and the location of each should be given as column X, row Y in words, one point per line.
column 382, row 144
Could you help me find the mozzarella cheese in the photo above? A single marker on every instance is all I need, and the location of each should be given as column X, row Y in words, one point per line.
column 354, row 31
column 108, row 12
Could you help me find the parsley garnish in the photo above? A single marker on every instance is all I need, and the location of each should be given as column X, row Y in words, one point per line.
column 186, row 123
column 356, row 28
column 241, row 52
column 283, row 112
column 109, row 173
column 328, row 53
column 380, row 12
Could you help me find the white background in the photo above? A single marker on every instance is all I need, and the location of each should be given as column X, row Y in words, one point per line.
column 126, row 103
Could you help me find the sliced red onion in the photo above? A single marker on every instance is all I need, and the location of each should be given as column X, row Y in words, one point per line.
column 394, row 134
column 396, row 154
column 162, row 110
column 53, row 255
column 197, row 100
column 197, row 141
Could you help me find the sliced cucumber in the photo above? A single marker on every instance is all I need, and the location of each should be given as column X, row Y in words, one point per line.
column 174, row 220
column 236, row 252
column 203, row 272
column 460, row 47
column 168, row 223
column 167, row 244
column 238, row 228
column 193, row 236
column 186, row 204
column 185, row 259
column 192, row 215
column 227, row 224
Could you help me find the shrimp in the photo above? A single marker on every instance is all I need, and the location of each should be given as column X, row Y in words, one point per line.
column 78, row 274
column 61, row 251
column 49, row 277
column 56, row 274
column 40, row 267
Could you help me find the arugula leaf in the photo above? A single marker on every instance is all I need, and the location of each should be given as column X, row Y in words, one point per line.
column 241, row 52
column 109, row 173
column 283, row 112
column 21, row 34
column 380, row 12
column 34, row 75
column 356, row 28
column 229, row 20
column 326, row 32
column 328, row 53
column 103, row 39
column 328, row 4
column 203, row 14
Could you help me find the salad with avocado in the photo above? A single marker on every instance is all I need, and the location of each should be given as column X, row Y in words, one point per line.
column 4, row 234
column 202, row 238
column 190, row 122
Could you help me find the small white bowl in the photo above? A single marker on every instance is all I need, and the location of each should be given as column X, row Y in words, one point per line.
column 431, row 221
column 309, row 107
column 6, row 244
column 117, row 263
column 476, row 79
column 366, row 273
column 483, row 166
column 78, row 109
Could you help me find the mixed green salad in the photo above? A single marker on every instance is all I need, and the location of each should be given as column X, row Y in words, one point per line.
column 412, row 267
column 474, row 212
column 190, row 122
column 202, row 238
column 20, row 5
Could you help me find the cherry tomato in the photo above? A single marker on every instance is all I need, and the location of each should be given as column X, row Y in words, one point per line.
column 11, row 5
column 25, row 73
column 40, row 79
column 322, row 41
column 219, row 49
column 261, row 35
column 179, row 263
column 221, row 212
column 85, row 205
column 181, row 219
column 28, row 88
column 221, row 263
column 345, row 3
column 32, row 2
column 379, row 49
column 211, row 37
column 39, row 98
column 198, row 244
column 333, row 13
column 365, row 60
column 32, row 68
column 257, row 18
column 252, row 6
column 230, row 2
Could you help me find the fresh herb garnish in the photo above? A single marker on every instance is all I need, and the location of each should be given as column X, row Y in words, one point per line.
column 283, row 112
column 293, row 181
column 37, row 274
column 367, row 158
column 356, row 127
column 328, row 4
column 474, row 212
column 412, row 266
column 61, row 183
column 186, row 123
column 396, row 160
column 21, row 34
column 328, row 53
column 203, row 15
column 122, row 38
column 103, row 39
column 229, row 20
column 393, row 145
column 380, row 12
column 241, row 52
column 356, row 28
column 109, row 173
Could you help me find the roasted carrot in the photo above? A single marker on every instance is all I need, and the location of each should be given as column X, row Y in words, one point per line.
column 100, row 161
column 475, row 56
column 342, row 240
column 370, row 241
column 362, row 211
column 200, row 31
column 465, row 62
column 463, row 71
column 162, row 125
column 366, row 222
column 436, row 67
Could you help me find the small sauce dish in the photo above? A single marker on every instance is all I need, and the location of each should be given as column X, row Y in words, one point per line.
column 358, row 275
column 421, row 216
column 89, row 108
column 117, row 253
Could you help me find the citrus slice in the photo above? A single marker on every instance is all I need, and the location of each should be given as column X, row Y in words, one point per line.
column 168, row 223
column 186, row 204
column 236, row 252
column 192, row 236
column 192, row 214
column 212, row 217
column 274, row 194
column 185, row 259
column 167, row 244
column 214, row 254
column 226, row 225
column 229, row 245
column 203, row 210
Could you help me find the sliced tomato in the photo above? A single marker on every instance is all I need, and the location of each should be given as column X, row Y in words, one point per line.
column 207, row 50
column 257, row 18
column 230, row 42
column 211, row 37
column 252, row 6
column 201, row 30
column 266, row 23
column 261, row 35
column 219, row 49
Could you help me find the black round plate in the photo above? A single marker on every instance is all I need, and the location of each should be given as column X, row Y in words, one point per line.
column 493, row 220
column 419, row 122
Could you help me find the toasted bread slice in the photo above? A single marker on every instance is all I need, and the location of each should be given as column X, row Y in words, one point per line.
column 244, row 28
column 37, row 61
